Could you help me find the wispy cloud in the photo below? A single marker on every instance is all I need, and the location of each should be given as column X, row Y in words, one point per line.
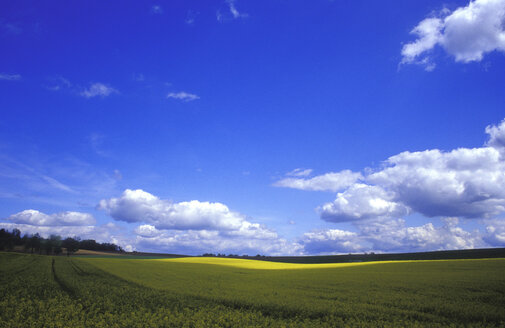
column 331, row 181
column 156, row 9
column 57, row 83
column 10, row 77
column 190, row 18
column 98, row 89
column 233, row 9
column 184, row 96
column 233, row 12
column 36, row 179
column 138, row 77
column 12, row 28
column 96, row 142
column 299, row 172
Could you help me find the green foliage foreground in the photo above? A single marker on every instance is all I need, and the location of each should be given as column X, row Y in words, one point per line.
column 43, row 291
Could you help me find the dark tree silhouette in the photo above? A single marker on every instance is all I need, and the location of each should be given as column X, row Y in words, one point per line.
column 71, row 244
column 51, row 245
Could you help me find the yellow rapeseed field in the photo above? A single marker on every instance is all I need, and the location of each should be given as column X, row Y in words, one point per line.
column 268, row 265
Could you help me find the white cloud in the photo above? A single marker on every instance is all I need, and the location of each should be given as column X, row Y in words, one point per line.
column 332, row 181
column 495, row 232
column 140, row 206
column 393, row 235
column 192, row 227
column 184, row 96
column 429, row 34
column 98, row 89
column 147, row 230
column 331, row 241
column 496, row 135
column 193, row 242
column 467, row 33
column 464, row 182
column 361, row 201
column 36, row 218
column 10, row 77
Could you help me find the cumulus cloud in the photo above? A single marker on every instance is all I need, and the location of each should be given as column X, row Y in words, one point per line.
column 332, row 181
column 495, row 232
column 192, row 227
column 184, row 96
column 36, row 218
column 140, row 206
column 467, row 33
column 10, row 77
column 496, row 135
column 98, row 90
column 361, row 201
column 464, row 182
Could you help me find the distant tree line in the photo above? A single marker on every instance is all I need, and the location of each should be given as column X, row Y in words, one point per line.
column 233, row 255
column 34, row 243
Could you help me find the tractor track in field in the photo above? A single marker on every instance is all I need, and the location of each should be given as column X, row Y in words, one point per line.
column 62, row 284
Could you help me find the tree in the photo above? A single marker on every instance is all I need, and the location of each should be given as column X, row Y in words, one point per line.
column 4, row 239
column 36, row 243
column 16, row 237
column 71, row 244
column 47, row 245
column 55, row 242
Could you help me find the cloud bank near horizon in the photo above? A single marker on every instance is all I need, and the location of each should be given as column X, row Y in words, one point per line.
column 455, row 185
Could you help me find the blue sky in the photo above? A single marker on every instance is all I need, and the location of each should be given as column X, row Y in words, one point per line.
column 272, row 127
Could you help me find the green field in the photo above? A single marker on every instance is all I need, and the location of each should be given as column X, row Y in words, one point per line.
column 44, row 291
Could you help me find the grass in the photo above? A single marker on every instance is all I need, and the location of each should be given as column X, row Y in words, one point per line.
column 98, row 253
column 217, row 292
